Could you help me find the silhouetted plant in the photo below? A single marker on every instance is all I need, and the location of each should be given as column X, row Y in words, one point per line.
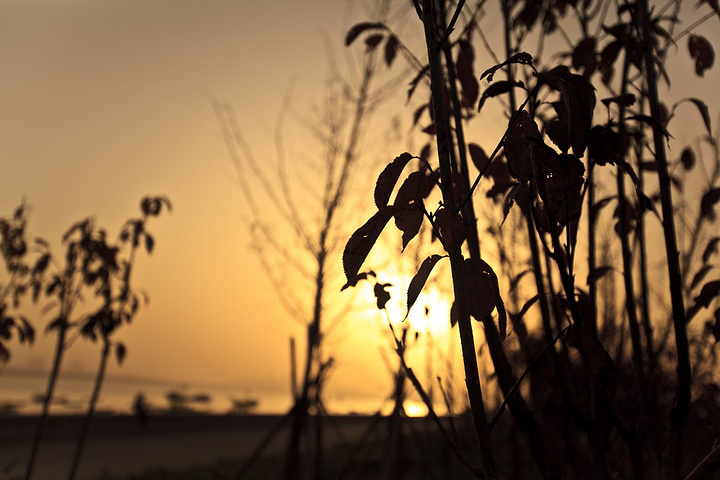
column 91, row 265
column 110, row 273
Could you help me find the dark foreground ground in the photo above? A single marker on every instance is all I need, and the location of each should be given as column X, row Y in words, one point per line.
column 218, row 447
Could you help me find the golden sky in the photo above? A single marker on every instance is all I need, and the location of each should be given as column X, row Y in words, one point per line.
column 105, row 102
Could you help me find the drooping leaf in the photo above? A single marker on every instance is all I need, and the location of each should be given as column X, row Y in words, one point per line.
column 700, row 276
column 481, row 287
column 360, row 28
column 382, row 295
column 466, row 73
column 409, row 219
column 391, row 48
column 419, row 279
column 702, row 108
column 709, row 291
column 702, row 52
column 510, row 200
column 578, row 95
column 120, row 352
column 498, row 88
column 361, row 242
column 149, row 243
column 477, row 155
column 523, row 58
column 707, row 204
column 687, row 159
column 518, row 146
column 710, row 248
column 597, row 273
column 518, row 316
column 373, row 41
column 388, row 178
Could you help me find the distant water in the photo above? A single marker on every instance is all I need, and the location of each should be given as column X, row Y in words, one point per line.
column 118, row 396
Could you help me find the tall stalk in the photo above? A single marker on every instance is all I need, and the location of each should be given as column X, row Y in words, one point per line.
column 681, row 405
column 472, row 377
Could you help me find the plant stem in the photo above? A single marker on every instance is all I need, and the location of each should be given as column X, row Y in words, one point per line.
column 681, row 405
column 472, row 377
column 99, row 378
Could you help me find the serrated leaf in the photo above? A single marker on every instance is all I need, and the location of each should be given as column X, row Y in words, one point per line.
column 388, row 178
column 710, row 249
column 358, row 29
column 419, row 279
column 391, row 47
column 361, row 242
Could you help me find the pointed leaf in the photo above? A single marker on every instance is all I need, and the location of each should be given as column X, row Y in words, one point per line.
column 498, row 88
column 709, row 291
column 373, row 41
column 409, row 219
column 597, row 273
column 510, row 201
column 481, row 287
column 418, row 281
column 358, row 29
column 453, row 314
column 477, row 155
column 704, row 112
column 361, row 242
column 700, row 276
column 710, row 249
column 388, row 178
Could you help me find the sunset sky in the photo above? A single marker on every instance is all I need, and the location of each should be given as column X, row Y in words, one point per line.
column 105, row 102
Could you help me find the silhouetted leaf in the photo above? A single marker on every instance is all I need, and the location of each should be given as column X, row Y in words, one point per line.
column 430, row 129
column 710, row 249
column 709, row 291
column 522, row 58
column 452, row 229
column 466, row 73
column 702, row 108
column 149, row 242
column 453, row 314
column 120, row 352
column 388, row 178
column 707, row 204
column 652, row 122
column 499, row 172
column 514, row 282
column 481, row 287
column 510, row 201
column 607, row 60
column 518, row 146
column 716, row 328
column 700, row 276
column 416, row 81
column 605, row 146
column 687, row 159
column 373, row 41
column 408, row 219
column 578, row 95
column 477, row 155
column 419, row 279
column 584, row 57
column 358, row 29
column 626, row 100
column 702, row 52
column 391, row 47
column 518, row 316
column 563, row 182
column 597, row 273
column 361, row 242
column 382, row 295
column 498, row 88
column 415, row 188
